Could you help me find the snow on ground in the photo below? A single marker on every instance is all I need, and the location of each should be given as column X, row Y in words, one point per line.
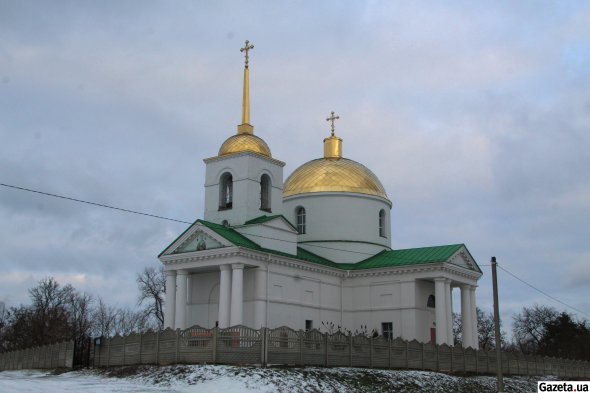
column 227, row 379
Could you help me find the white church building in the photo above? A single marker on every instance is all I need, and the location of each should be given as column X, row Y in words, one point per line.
column 309, row 250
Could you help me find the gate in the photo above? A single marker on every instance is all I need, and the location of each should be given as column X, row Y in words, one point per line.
column 82, row 353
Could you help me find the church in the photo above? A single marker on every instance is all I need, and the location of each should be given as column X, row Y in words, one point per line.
column 310, row 251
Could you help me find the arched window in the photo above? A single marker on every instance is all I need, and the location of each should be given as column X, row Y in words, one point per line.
column 300, row 213
column 226, row 192
column 265, row 187
column 382, row 229
column 431, row 302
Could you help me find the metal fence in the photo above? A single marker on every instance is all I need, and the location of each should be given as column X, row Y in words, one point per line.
column 240, row 345
column 60, row 355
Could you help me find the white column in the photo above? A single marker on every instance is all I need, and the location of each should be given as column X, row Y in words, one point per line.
column 237, row 294
column 440, row 310
column 181, row 299
column 466, row 320
column 260, row 297
column 449, row 304
column 224, row 295
column 170, row 304
column 474, row 317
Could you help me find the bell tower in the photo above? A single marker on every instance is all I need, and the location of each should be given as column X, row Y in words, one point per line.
column 243, row 181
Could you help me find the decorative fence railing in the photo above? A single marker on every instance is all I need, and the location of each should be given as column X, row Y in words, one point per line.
column 240, row 345
column 60, row 355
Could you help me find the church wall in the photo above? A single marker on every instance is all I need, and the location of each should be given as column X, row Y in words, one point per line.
column 341, row 217
column 246, row 170
column 203, row 302
column 297, row 296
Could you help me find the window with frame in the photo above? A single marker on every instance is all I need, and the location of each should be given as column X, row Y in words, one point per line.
column 387, row 330
column 265, row 187
column 226, row 191
column 382, row 229
column 308, row 324
column 300, row 213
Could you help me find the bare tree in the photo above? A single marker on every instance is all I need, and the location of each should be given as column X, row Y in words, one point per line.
column 128, row 321
column 530, row 326
column 104, row 318
column 79, row 308
column 152, row 286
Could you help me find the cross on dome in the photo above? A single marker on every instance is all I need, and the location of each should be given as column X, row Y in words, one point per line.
column 332, row 118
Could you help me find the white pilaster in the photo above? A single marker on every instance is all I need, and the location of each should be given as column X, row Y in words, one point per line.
column 181, row 285
column 224, row 295
column 466, row 319
column 260, row 297
column 474, row 317
column 237, row 294
column 449, row 304
column 170, row 304
column 440, row 310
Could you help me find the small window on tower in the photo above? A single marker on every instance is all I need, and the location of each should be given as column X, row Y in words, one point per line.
column 300, row 213
column 226, row 191
column 308, row 324
column 382, row 223
column 265, row 187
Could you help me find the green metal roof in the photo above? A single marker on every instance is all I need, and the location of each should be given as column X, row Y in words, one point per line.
column 407, row 257
column 263, row 219
column 383, row 259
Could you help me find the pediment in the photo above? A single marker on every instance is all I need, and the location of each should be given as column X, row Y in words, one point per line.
column 197, row 238
column 464, row 259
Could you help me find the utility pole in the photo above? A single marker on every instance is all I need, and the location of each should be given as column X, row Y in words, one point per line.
column 497, row 325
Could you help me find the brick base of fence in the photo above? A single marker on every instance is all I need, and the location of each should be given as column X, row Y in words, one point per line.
column 240, row 345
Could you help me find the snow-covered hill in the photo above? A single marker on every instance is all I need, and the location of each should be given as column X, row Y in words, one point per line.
column 227, row 379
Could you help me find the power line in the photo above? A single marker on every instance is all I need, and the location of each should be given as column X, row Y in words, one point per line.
column 543, row 292
column 93, row 203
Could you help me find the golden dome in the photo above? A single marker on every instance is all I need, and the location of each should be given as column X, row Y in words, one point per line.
column 244, row 143
column 333, row 175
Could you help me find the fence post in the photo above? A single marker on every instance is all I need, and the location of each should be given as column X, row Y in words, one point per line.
column 158, row 347
column 215, row 329
column 452, row 349
column 264, row 346
column 423, row 356
column 177, row 340
column 350, row 349
column 436, row 347
column 326, row 343
column 301, row 347
column 140, row 344
column 406, row 355
column 124, row 349
column 389, row 354
column 109, row 353
column 371, row 352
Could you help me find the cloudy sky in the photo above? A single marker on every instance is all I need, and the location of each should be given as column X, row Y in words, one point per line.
column 474, row 115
